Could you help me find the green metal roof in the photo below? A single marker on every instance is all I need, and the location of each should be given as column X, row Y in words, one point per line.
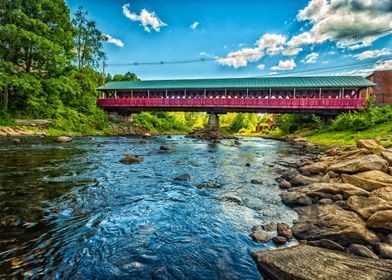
column 270, row 82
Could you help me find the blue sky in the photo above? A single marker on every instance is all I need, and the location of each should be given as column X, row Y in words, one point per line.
column 244, row 38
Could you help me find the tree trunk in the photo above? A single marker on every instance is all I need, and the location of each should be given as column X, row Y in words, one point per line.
column 5, row 104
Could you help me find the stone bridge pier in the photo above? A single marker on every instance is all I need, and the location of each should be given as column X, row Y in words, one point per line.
column 213, row 122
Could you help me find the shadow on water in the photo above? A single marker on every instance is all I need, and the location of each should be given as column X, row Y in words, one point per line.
column 72, row 211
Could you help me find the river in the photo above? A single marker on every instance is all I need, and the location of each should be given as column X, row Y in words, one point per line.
column 72, row 211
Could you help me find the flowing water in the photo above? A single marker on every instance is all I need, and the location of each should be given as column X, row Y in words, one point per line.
column 72, row 211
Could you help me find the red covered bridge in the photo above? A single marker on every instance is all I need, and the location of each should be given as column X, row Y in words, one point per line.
column 328, row 95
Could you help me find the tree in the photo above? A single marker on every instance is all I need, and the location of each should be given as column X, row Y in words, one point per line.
column 88, row 41
column 118, row 77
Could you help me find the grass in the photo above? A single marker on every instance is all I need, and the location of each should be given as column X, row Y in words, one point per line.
column 349, row 137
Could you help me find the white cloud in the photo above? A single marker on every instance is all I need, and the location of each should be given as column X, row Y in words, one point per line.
column 261, row 66
column 112, row 40
column 242, row 57
column 372, row 54
column 310, row 58
column 351, row 23
column 284, row 65
column 147, row 20
column 194, row 25
column 290, row 51
column 269, row 40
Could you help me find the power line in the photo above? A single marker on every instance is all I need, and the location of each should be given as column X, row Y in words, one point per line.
column 209, row 59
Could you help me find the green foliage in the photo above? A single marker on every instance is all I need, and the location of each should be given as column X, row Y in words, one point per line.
column 118, row 77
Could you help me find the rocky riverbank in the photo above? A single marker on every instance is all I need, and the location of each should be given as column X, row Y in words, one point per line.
column 344, row 200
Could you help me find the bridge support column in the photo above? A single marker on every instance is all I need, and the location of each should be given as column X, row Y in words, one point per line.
column 213, row 121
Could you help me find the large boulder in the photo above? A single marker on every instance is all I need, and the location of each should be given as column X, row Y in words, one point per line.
column 369, row 180
column 305, row 262
column 333, row 223
column 284, row 231
column 260, row 236
column 327, row 190
column 385, row 250
column 360, row 164
column 381, row 220
column 367, row 206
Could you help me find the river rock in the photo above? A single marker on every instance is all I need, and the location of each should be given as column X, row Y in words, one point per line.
column 131, row 159
column 284, row 230
column 64, row 139
column 270, row 226
column 289, row 174
column 15, row 141
column 367, row 206
column 360, row 164
column 279, row 240
column 260, row 236
column 233, row 198
column 256, row 181
column 362, row 251
column 301, row 180
column 304, row 200
column 165, row 148
column 370, row 180
column 387, row 155
column 315, row 168
column 325, row 201
column 383, row 193
column 183, row 177
column 328, row 190
column 236, row 142
column 381, row 220
column 385, row 250
column 369, row 144
column 304, row 262
column 146, row 135
column 333, row 223
column 284, row 184
column 327, row 244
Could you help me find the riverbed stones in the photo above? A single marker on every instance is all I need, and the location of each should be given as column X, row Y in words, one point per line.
column 385, row 250
column 387, row 155
column 383, row 193
column 270, row 226
column 183, row 177
column 284, row 230
column 279, row 240
column 381, row 220
column 362, row 251
column 304, row 200
column 314, row 168
column 284, row 184
column 369, row 144
column 131, row 159
column 301, row 180
column 313, row 263
column 327, row 244
column 360, row 164
column 328, row 190
column 370, row 180
column 367, row 206
column 64, row 139
column 260, row 236
column 334, row 223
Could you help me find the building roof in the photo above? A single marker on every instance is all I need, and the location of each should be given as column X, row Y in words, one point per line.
column 235, row 83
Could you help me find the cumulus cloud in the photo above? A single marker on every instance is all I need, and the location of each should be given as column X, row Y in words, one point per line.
column 284, row 65
column 310, row 58
column 194, row 25
column 261, row 66
column 378, row 66
column 242, row 57
column 147, row 20
column 351, row 23
column 271, row 41
column 110, row 39
column 372, row 54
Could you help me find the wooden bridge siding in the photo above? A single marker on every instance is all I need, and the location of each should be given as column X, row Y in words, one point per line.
column 303, row 104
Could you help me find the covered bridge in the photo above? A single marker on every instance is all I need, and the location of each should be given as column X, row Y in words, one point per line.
column 321, row 95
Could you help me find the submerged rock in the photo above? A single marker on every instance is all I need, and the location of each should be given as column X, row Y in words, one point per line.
column 311, row 263
column 64, row 139
column 165, row 148
column 256, row 181
column 131, row 159
column 183, row 177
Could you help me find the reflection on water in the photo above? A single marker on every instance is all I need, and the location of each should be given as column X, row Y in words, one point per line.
column 72, row 211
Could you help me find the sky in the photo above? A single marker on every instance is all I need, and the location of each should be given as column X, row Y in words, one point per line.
column 243, row 38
